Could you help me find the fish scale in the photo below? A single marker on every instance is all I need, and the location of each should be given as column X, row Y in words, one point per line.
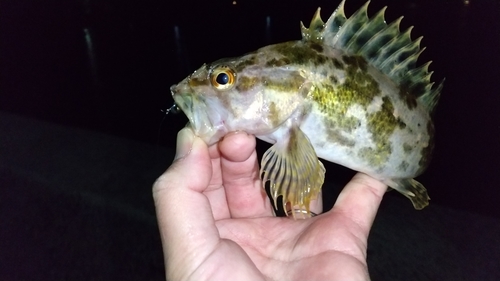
column 349, row 92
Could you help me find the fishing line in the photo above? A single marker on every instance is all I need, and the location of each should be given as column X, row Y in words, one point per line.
column 174, row 109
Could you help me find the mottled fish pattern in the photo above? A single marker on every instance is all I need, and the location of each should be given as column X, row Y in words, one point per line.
column 349, row 92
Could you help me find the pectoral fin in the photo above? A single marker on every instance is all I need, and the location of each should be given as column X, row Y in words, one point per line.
column 412, row 189
column 293, row 170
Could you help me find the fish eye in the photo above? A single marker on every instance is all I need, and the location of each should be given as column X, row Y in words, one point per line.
column 222, row 78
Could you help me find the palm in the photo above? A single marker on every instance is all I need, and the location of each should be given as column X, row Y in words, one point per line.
column 238, row 235
column 283, row 249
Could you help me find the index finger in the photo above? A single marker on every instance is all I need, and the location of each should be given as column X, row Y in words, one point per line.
column 244, row 192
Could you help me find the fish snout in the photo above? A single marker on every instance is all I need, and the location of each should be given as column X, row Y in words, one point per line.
column 173, row 89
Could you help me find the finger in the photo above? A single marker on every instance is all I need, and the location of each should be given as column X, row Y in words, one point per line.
column 215, row 191
column 240, row 172
column 360, row 199
column 182, row 209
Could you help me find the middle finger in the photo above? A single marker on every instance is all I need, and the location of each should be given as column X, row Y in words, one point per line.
column 240, row 174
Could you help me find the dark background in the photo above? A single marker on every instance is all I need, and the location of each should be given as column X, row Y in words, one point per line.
column 48, row 72
column 106, row 66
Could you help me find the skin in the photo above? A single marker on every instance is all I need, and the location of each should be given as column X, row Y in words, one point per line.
column 216, row 222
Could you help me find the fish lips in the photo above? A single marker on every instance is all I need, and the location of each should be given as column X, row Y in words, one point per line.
column 206, row 122
column 183, row 100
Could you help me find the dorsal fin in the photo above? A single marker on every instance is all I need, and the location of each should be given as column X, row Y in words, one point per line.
column 393, row 52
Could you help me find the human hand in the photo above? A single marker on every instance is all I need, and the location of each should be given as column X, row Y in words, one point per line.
column 217, row 223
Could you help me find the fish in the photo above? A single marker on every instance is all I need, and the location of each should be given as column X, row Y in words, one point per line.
column 349, row 92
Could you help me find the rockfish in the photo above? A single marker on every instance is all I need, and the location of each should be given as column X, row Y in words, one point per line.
column 349, row 92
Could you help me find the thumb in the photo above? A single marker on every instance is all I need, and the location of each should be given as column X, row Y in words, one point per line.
column 190, row 171
column 191, row 157
column 185, row 139
column 184, row 215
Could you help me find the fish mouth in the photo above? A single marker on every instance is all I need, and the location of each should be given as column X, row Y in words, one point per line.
column 183, row 100
column 206, row 123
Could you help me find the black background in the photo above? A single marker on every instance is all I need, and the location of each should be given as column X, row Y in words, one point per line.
column 48, row 73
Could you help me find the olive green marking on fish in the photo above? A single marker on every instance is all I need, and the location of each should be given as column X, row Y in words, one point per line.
column 409, row 99
column 245, row 83
column 334, row 102
column 337, row 64
column 403, row 166
column 301, row 55
column 358, row 61
column 361, row 85
column 317, row 47
column 335, row 135
column 278, row 62
column 333, row 79
column 401, row 124
column 196, row 82
column 407, row 148
column 274, row 115
column 381, row 125
column 290, row 85
column 242, row 64
column 359, row 88
column 426, row 152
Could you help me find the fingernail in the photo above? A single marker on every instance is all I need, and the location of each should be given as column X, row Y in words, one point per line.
column 234, row 133
column 237, row 133
column 185, row 139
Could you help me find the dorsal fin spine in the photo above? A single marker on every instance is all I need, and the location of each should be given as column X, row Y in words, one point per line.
column 347, row 32
column 377, row 24
column 392, row 52
column 431, row 97
column 372, row 46
column 409, row 61
column 336, row 20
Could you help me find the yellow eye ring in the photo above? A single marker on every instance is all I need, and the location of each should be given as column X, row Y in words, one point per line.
column 223, row 78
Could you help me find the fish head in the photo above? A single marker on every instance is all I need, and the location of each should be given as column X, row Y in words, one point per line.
column 246, row 93
column 198, row 100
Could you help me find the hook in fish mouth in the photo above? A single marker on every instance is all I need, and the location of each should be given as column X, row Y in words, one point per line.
column 174, row 109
